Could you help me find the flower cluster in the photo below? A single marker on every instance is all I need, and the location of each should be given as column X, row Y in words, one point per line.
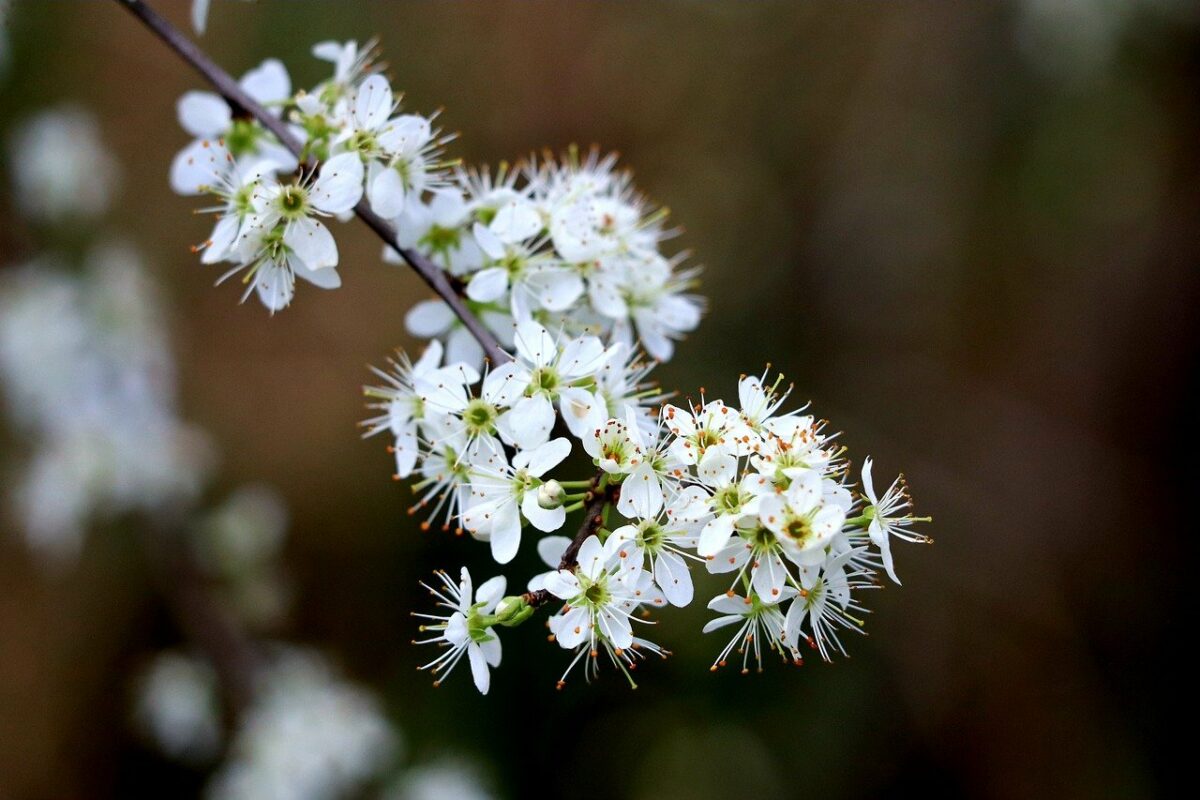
column 268, row 207
column 564, row 240
column 752, row 492
column 562, row 260
column 567, row 241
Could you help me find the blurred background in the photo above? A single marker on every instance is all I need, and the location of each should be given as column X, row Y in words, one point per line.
column 968, row 232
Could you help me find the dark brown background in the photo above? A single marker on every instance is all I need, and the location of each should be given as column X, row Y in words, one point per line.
column 968, row 234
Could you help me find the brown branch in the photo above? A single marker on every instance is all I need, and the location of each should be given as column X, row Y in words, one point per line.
column 593, row 519
column 245, row 105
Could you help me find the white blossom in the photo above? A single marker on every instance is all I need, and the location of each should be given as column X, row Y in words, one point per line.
column 464, row 631
column 61, row 169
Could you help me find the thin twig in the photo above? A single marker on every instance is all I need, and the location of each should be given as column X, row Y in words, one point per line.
column 245, row 105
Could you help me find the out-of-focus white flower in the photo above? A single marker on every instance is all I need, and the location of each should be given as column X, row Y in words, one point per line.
column 177, row 707
column 200, row 15
column 60, row 167
column 444, row 779
column 308, row 736
column 89, row 382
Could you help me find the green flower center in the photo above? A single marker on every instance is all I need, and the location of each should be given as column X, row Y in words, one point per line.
column 243, row 137
column 651, row 536
column 596, row 594
column 728, row 499
column 441, row 240
column 293, row 202
column 799, row 529
column 545, row 379
column 479, row 417
column 364, row 142
column 761, row 538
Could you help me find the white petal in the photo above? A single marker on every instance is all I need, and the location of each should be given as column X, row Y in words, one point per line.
column 406, row 134
column 715, row 535
column 562, row 584
column 528, row 423
column 339, row 186
column 591, row 557
column 312, row 242
column 488, row 242
column 574, row 628
column 672, row 576
column 868, row 482
column 795, row 617
column 491, row 650
column 268, row 83
column 203, row 114
column 429, row 318
column 197, row 165
column 768, row 578
column 430, row 360
column 717, row 467
column 535, row 344
column 641, row 493
column 505, row 384
column 488, row 285
column 616, row 628
column 490, row 593
column 326, row 278
column 516, row 221
column 729, row 604
column 582, row 411
column 372, row 102
column 462, row 346
column 222, row 239
column 551, row 548
column 544, row 458
column 387, row 193
column 200, row 15
column 555, row 288
column 719, row 622
column 582, row 357
column 274, row 286
column 406, row 450
column 605, row 295
column 546, row 520
column 479, row 668
column 506, row 532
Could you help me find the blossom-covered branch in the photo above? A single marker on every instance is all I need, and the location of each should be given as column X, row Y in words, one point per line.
column 246, row 101
column 567, row 267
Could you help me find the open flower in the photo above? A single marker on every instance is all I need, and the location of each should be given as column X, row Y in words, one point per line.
column 761, row 626
column 467, row 629
column 501, row 494
column 206, row 116
column 281, row 240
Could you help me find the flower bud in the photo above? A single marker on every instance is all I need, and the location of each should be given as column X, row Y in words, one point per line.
column 551, row 494
column 513, row 610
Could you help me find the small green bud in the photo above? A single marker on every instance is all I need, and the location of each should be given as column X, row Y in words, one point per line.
column 513, row 610
column 551, row 494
